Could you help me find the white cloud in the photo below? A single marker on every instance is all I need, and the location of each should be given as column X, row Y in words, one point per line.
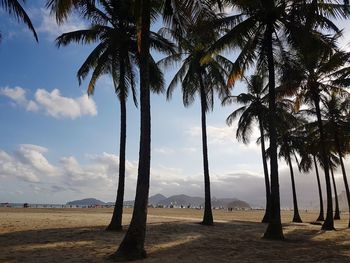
column 18, row 96
column 33, row 156
column 50, row 27
column 52, row 103
column 58, row 106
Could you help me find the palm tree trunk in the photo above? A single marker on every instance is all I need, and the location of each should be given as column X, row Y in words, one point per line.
column 337, row 212
column 274, row 228
column 328, row 224
column 344, row 174
column 208, row 215
column 296, row 217
column 321, row 215
column 266, row 173
column 132, row 246
column 116, row 222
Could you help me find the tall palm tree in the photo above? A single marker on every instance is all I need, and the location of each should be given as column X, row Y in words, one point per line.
column 337, row 126
column 309, row 160
column 14, row 8
column 290, row 141
column 199, row 78
column 114, row 30
column 132, row 246
column 254, row 109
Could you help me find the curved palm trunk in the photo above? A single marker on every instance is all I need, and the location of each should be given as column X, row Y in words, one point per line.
column 337, row 212
column 266, row 217
column 344, row 175
column 321, row 215
column 328, row 224
column 116, row 222
column 132, row 246
column 274, row 228
column 208, row 215
column 296, row 217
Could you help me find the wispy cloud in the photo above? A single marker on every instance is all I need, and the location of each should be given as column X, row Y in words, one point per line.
column 51, row 103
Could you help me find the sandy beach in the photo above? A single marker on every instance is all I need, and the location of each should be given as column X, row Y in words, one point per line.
column 173, row 235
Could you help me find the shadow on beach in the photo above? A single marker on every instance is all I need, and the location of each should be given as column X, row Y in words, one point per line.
column 234, row 241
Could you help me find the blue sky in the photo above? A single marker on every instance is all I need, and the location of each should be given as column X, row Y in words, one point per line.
column 57, row 145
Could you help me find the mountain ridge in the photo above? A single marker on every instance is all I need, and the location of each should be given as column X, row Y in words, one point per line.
column 180, row 200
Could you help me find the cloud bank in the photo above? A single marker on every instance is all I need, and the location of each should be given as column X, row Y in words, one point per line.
column 96, row 176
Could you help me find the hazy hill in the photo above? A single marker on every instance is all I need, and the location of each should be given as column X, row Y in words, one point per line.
column 183, row 200
column 156, row 199
column 176, row 200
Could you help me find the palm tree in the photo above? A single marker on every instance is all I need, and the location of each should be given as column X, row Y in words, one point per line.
column 321, row 215
column 332, row 166
column 14, row 8
column 290, row 141
column 132, row 246
column 336, row 121
column 114, row 29
column 199, row 78
column 254, row 109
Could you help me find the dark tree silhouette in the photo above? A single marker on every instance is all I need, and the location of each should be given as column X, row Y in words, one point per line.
column 254, row 109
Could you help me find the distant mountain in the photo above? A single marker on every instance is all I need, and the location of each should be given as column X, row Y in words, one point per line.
column 184, row 200
column 175, row 200
column 87, row 201
column 156, row 199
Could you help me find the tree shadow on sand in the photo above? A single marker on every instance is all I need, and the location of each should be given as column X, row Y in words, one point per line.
column 234, row 241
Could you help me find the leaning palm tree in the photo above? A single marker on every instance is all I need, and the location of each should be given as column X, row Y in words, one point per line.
column 114, row 30
column 254, row 109
column 199, row 78
column 14, row 8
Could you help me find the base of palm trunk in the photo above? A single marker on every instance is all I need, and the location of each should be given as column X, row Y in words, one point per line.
column 266, row 218
column 114, row 228
column 336, row 216
column 320, row 218
column 207, row 222
column 128, row 255
column 274, row 232
column 297, row 219
column 328, row 226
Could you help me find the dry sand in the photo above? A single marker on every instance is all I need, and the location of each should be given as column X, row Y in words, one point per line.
column 173, row 235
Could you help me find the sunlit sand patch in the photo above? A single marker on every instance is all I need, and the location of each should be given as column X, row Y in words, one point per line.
column 180, row 241
column 52, row 245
